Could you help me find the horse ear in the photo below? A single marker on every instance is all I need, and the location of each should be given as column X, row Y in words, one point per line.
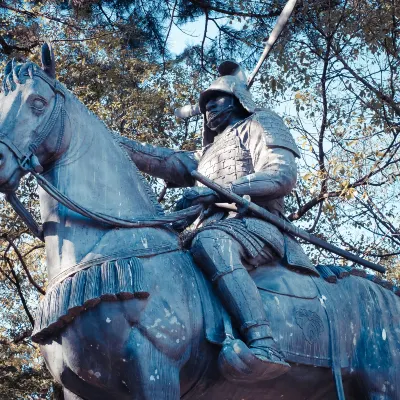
column 48, row 61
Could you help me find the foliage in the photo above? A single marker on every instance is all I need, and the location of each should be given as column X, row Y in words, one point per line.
column 333, row 75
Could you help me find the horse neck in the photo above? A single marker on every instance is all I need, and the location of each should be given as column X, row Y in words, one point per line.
column 97, row 174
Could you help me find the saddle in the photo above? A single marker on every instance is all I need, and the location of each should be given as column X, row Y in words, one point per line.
column 300, row 317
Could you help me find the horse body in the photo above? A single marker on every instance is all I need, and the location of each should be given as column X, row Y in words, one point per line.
column 158, row 347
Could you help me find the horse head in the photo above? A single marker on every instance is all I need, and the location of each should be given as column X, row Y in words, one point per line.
column 31, row 107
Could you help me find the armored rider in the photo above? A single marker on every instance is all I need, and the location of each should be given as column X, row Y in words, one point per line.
column 250, row 151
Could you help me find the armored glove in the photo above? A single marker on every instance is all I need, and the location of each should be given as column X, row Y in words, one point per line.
column 196, row 195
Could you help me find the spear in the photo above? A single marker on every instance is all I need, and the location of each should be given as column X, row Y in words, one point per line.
column 192, row 110
column 283, row 224
column 276, row 32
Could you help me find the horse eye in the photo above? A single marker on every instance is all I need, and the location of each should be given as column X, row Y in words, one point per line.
column 38, row 104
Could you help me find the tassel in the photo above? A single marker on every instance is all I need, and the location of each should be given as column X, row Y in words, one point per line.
column 125, row 280
column 358, row 272
column 38, row 319
column 339, row 271
column 108, row 282
column 45, row 313
column 77, row 288
column 326, row 273
column 65, row 299
column 92, row 288
column 55, row 296
column 138, row 279
column 386, row 284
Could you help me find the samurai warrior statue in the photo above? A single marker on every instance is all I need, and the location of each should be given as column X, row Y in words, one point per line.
column 250, row 151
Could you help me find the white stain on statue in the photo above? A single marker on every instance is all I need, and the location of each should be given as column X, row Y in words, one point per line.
column 167, row 313
column 156, row 323
column 322, row 300
column 383, row 334
column 144, row 243
column 108, row 320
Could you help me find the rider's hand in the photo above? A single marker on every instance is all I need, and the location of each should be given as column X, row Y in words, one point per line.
column 196, row 195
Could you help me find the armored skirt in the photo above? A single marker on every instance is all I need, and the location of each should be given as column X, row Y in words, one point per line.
column 255, row 236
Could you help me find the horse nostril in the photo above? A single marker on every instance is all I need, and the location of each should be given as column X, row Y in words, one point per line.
column 1, row 159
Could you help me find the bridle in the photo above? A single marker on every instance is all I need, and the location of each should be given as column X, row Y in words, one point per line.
column 29, row 162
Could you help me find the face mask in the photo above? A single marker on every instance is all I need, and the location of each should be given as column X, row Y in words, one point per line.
column 217, row 120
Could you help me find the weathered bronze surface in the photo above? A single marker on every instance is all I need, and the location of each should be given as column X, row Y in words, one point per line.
column 128, row 314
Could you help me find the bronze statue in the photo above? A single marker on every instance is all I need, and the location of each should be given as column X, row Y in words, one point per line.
column 128, row 315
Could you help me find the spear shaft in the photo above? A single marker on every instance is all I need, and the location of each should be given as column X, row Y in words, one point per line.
column 283, row 224
column 276, row 32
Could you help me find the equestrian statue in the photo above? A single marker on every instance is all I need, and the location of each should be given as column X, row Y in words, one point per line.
column 232, row 309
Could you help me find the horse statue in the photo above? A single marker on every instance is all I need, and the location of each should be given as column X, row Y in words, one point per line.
column 127, row 314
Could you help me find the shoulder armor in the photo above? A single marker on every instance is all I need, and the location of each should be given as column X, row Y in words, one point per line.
column 276, row 133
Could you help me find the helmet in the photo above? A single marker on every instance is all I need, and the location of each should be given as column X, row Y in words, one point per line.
column 231, row 85
column 232, row 81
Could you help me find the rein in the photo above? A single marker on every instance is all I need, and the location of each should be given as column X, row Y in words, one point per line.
column 28, row 161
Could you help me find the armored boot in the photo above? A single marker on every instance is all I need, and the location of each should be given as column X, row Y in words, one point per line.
column 261, row 358
column 220, row 257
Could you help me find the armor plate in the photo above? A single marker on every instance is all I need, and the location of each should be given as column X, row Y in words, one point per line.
column 276, row 132
column 226, row 159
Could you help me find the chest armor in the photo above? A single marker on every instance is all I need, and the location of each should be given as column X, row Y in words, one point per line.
column 226, row 159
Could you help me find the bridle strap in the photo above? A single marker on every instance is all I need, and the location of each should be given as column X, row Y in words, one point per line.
column 25, row 215
column 115, row 221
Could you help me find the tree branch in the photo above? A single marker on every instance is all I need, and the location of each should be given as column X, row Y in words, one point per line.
column 21, row 295
column 36, row 15
column 236, row 13
column 8, row 48
column 24, row 266
column 383, row 97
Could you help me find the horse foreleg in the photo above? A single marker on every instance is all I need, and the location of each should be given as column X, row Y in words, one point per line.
column 150, row 373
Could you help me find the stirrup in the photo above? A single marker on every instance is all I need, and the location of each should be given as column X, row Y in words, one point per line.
column 239, row 363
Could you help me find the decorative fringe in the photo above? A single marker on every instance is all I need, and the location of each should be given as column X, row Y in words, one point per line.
column 387, row 285
column 381, row 282
column 340, row 272
column 374, row 278
column 348, row 269
column 326, row 273
column 111, row 281
column 358, row 272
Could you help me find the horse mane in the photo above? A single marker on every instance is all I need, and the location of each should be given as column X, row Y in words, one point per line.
column 331, row 273
column 16, row 73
